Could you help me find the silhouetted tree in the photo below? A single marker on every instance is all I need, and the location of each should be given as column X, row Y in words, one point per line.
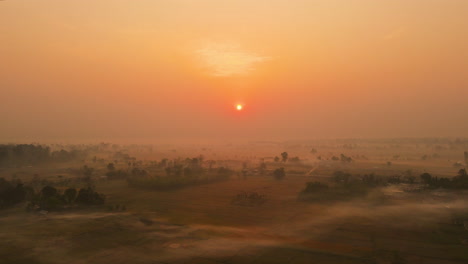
column 48, row 191
column 70, row 195
column 426, row 178
column 462, row 173
column 314, row 187
column 89, row 197
column 279, row 173
column 284, row 156
column 12, row 192
column 345, row 158
column 111, row 167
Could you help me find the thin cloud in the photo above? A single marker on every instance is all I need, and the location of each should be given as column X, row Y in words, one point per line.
column 227, row 59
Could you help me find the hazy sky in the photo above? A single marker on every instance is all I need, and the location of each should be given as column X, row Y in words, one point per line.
column 175, row 69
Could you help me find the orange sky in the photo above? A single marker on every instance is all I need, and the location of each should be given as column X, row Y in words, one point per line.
column 175, row 69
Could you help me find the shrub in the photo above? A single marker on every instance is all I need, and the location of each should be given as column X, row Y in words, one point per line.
column 279, row 173
column 89, row 197
column 70, row 195
column 12, row 193
column 314, row 187
column 248, row 199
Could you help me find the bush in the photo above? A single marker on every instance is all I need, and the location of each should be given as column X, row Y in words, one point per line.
column 248, row 199
column 312, row 187
column 458, row 182
column 116, row 174
column 49, row 198
column 70, row 195
column 279, row 173
column 12, row 193
column 89, row 197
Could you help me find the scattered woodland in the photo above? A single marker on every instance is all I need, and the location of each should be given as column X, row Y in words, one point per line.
column 332, row 201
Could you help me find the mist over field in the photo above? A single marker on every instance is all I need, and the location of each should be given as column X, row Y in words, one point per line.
column 216, row 131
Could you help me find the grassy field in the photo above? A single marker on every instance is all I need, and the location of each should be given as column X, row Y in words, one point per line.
column 200, row 224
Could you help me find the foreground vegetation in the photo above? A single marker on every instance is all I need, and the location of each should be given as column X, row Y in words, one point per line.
column 109, row 206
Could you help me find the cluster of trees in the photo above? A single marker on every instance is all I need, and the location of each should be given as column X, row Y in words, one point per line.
column 114, row 174
column 13, row 192
column 346, row 185
column 48, row 198
column 279, row 173
column 188, row 167
column 316, row 186
column 342, row 158
column 30, row 154
column 23, row 154
column 249, row 199
column 373, row 180
column 458, row 182
column 284, row 157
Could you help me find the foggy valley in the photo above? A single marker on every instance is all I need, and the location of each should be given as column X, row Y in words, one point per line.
column 233, row 131
column 329, row 201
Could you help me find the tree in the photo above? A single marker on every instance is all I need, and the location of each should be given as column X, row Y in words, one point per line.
column 279, row 173
column 11, row 194
column 70, row 195
column 90, row 197
column 277, row 159
column 462, row 173
column 312, row 187
column 111, row 166
column 345, row 158
column 48, row 191
column 284, row 156
column 426, row 178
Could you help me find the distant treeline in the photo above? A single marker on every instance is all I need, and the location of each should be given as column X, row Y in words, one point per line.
column 458, row 182
column 345, row 186
column 29, row 154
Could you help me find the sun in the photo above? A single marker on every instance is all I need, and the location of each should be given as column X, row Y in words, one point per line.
column 239, row 107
